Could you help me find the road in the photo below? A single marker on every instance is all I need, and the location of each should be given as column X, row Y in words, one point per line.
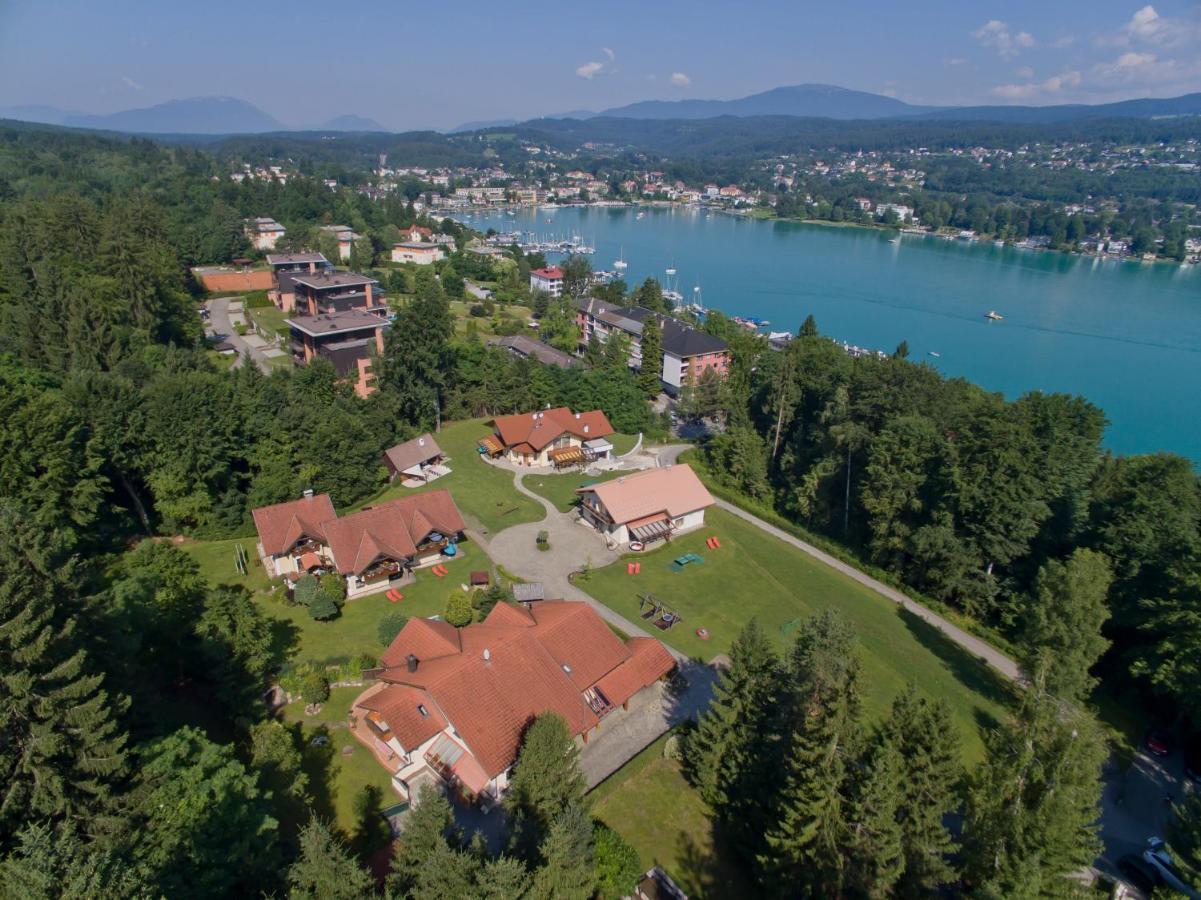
column 222, row 328
column 1133, row 803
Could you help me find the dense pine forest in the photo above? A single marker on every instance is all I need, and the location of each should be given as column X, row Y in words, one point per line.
column 138, row 759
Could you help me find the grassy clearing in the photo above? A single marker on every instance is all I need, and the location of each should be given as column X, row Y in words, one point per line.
column 481, row 491
column 755, row 575
column 560, row 489
column 271, row 320
column 650, row 804
column 623, row 443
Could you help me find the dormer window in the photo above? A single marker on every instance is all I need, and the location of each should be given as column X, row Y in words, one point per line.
column 567, row 668
column 425, row 713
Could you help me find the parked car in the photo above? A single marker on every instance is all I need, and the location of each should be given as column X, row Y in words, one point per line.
column 1158, row 856
column 1158, row 742
column 1139, row 873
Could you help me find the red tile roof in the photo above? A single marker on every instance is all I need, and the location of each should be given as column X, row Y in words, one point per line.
column 398, row 707
column 489, row 701
column 551, row 272
column 537, row 430
column 282, row 525
column 391, row 530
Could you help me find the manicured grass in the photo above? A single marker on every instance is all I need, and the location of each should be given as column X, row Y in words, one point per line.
column 217, row 561
column 649, row 803
column 560, row 489
column 755, row 575
column 270, row 319
column 460, row 309
column 622, row 443
column 481, row 491
column 336, row 778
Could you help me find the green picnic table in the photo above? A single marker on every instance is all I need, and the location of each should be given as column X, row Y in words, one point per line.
column 678, row 564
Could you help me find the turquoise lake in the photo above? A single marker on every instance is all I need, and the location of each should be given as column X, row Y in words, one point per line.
column 1126, row 335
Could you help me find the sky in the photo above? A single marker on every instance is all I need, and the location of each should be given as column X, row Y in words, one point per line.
column 429, row 65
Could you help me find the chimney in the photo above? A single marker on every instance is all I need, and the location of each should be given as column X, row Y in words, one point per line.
column 420, row 442
column 487, row 655
column 308, row 493
column 411, row 662
column 577, row 415
column 585, row 429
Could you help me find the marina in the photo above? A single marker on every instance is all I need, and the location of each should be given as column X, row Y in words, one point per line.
column 1123, row 334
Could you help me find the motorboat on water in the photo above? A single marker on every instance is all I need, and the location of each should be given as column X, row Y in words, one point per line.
column 993, row 315
column 935, row 354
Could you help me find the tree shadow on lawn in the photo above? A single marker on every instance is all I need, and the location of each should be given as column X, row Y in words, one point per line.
column 285, row 642
column 711, row 872
column 320, row 764
column 970, row 671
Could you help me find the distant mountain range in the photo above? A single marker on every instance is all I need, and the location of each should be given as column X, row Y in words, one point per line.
column 195, row 115
column 229, row 115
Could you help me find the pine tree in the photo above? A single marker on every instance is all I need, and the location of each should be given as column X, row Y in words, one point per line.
column 875, row 845
column 448, row 874
column 649, row 375
column 426, row 828
column 733, row 756
column 61, row 748
column 546, row 780
column 50, row 864
column 931, row 774
column 503, row 878
column 1033, row 805
column 568, row 872
column 325, row 869
column 805, row 845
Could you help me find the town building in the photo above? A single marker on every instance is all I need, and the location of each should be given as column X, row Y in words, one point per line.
column 287, row 266
column 549, row 280
column 525, row 347
column 345, row 238
column 415, row 462
column 451, row 704
column 550, row 437
column 687, row 352
column 652, row 505
column 372, row 549
column 263, row 233
column 348, row 340
column 332, row 291
column 420, row 253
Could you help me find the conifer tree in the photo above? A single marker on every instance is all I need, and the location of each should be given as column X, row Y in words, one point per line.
column 546, row 780
column 425, row 833
column 931, row 775
column 447, row 874
column 733, row 756
column 1033, row 805
column 875, row 845
column 652, row 357
column 502, row 878
column 58, row 864
column 61, row 748
column 325, row 869
column 803, row 849
column 568, row 871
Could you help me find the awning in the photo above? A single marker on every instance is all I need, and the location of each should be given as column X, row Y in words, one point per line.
column 649, row 528
column 492, row 445
column 565, row 456
column 448, row 754
column 309, row 561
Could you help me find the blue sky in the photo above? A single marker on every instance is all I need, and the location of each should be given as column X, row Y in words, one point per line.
column 412, row 65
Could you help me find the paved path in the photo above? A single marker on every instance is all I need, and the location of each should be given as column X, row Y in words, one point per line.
column 223, row 328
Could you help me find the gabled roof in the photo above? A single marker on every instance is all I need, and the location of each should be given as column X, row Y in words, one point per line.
column 538, row 429
column 412, row 453
column 551, row 273
column 516, row 665
column 400, row 709
column 282, row 525
column 674, row 490
column 391, row 530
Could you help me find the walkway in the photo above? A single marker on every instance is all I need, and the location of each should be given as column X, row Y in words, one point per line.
column 223, row 313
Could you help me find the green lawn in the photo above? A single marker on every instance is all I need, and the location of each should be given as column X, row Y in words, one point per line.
column 480, row 490
column 622, row 443
column 753, row 574
column 270, row 319
column 560, row 489
column 335, row 777
column 650, row 804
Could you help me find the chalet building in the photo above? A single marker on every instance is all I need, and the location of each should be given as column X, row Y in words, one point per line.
column 687, row 352
column 263, row 233
column 418, row 461
column 345, row 237
column 551, row 437
column 349, row 340
column 374, row 549
column 653, row 505
column 418, row 234
column 549, row 279
column 451, row 704
column 333, row 291
column 422, row 254
column 285, row 267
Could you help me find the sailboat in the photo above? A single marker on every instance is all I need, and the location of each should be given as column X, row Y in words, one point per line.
column 620, row 263
column 672, row 292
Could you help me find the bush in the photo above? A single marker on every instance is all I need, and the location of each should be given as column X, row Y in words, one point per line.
column 389, row 627
column 459, row 611
column 322, row 608
column 477, row 310
column 543, row 540
column 484, row 600
column 306, row 590
column 617, row 865
column 334, row 586
column 673, row 747
column 314, row 688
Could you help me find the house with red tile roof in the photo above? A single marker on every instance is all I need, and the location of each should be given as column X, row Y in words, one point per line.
column 551, row 437
column 373, row 549
column 549, row 279
column 652, row 505
column 451, row 705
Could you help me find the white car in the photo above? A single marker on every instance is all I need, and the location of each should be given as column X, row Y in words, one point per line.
column 1158, row 856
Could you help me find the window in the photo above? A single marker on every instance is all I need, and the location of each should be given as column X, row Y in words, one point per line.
column 425, row 713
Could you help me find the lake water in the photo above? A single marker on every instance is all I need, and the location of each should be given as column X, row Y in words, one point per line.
column 1126, row 335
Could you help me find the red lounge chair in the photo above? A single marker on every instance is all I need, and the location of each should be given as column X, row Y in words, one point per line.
column 712, row 543
column 394, row 595
column 633, row 568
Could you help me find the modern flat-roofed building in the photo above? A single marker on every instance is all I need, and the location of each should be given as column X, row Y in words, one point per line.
column 347, row 339
column 331, row 291
column 285, row 267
